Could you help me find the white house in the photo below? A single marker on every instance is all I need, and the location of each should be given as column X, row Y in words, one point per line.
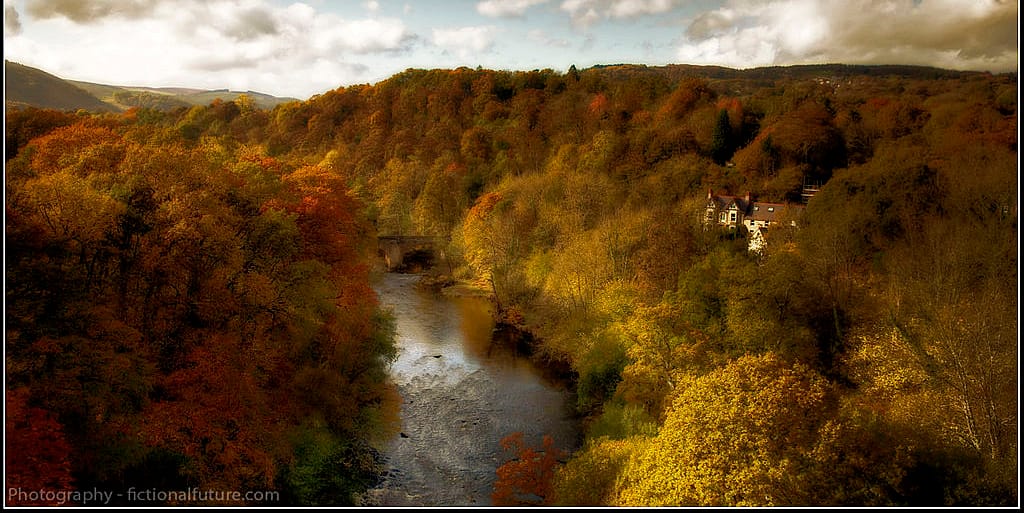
column 734, row 211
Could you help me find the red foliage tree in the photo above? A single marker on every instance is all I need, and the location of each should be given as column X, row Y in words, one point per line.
column 36, row 455
column 217, row 415
column 526, row 479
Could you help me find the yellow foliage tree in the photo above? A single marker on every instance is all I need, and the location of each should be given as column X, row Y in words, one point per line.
column 71, row 208
column 663, row 349
column 590, row 477
column 739, row 436
column 494, row 238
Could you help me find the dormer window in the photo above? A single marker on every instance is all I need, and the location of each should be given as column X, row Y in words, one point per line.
column 771, row 209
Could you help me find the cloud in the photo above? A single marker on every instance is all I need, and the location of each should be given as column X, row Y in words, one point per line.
column 298, row 48
column 242, row 20
column 251, row 23
column 633, row 8
column 961, row 34
column 506, row 8
column 582, row 12
column 368, row 36
column 292, row 50
column 12, row 23
column 542, row 38
column 222, row 62
column 88, row 12
column 710, row 23
column 466, row 41
column 587, row 12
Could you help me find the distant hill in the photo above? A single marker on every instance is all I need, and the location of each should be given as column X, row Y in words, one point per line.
column 123, row 98
column 168, row 98
column 801, row 71
column 263, row 101
column 27, row 86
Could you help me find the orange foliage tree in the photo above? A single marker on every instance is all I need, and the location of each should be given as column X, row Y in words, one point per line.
column 527, row 478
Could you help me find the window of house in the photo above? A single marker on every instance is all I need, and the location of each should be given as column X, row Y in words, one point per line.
column 732, row 217
column 722, row 217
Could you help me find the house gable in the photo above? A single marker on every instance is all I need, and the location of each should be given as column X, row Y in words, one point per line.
column 732, row 211
column 727, row 211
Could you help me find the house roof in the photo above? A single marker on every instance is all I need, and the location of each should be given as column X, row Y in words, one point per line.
column 723, row 202
column 771, row 212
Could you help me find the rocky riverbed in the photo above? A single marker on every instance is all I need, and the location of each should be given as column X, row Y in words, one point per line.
column 461, row 394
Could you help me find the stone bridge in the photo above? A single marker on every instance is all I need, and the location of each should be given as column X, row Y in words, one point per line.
column 396, row 248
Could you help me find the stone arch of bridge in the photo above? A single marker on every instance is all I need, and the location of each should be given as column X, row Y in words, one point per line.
column 394, row 249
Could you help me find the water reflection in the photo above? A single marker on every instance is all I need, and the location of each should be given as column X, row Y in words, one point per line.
column 448, row 335
column 461, row 394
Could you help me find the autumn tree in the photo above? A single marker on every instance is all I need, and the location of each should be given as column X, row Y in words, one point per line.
column 663, row 349
column 526, row 479
column 184, row 303
column 24, row 125
column 590, row 477
column 441, row 204
column 938, row 360
column 396, row 190
column 37, row 455
column 139, row 244
column 758, row 431
column 722, row 138
column 494, row 237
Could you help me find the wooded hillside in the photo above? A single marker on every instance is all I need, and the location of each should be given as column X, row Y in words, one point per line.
column 867, row 356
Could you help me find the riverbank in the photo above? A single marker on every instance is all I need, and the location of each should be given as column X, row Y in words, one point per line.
column 510, row 328
column 451, row 287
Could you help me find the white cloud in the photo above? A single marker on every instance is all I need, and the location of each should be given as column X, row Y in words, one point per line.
column 506, row 8
column 368, row 36
column 961, row 34
column 466, row 42
column 245, row 44
column 542, row 38
column 373, row 6
column 587, row 12
column 631, row 8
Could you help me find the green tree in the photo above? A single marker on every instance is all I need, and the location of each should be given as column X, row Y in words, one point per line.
column 722, row 138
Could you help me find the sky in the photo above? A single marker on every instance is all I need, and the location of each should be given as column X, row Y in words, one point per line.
column 299, row 49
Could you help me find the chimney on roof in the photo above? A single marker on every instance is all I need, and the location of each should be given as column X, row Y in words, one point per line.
column 711, row 193
column 746, row 198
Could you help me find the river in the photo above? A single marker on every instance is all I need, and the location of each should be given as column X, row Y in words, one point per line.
column 461, row 394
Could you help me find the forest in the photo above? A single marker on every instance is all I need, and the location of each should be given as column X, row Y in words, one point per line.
column 188, row 297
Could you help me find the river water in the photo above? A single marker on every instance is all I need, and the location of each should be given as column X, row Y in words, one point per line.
column 461, row 394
